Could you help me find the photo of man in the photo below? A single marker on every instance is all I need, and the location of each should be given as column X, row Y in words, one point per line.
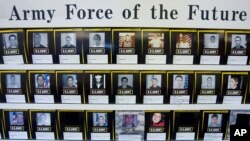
column 100, row 119
column 13, row 80
column 96, row 39
column 125, row 81
column 238, row 41
column 97, row 81
column 10, row 41
column 155, row 40
column 214, row 120
column 40, row 40
column 16, row 118
column 208, row 82
column 180, row 81
column 234, row 82
column 68, row 40
column 157, row 120
column 43, row 119
column 69, row 81
column 128, row 121
column 42, row 80
column 211, row 40
column 153, row 82
column 127, row 40
column 183, row 40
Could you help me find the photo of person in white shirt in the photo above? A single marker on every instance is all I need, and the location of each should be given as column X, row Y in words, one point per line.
column 155, row 40
column 211, row 40
column 13, row 80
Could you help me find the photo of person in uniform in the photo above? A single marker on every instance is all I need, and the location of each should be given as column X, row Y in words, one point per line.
column 127, row 40
column 157, row 120
column 69, row 81
column 40, row 40
column 183, row 40
column 208, row 82
column 96, row 39
column 10, row 41
column 153, row 82
column 238, row 41
column 214, row 120
column 128, row 121
column 43, row 119
column 13, row 80
column 16, row 118
column 125, row 81
column 42, row 80
column 234, row 82
column 100, row 119
column 179, row 81
column 98, row 81
column 155, row 40
column 211, row 40
column 68, row 40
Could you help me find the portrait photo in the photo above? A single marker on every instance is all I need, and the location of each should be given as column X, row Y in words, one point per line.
column 69, row 81
column 214, row 120
column 40, row 40
column 42, row 80
column 208, row 81
column 234, row 82
column 97, row 81
column 68, row 40
column 16, row 118
column 127, row 39
column 157, row 120
column 13, row 80
column 129, row 121
column 153, row 81
column 155, row 40
column 125, row 81
column 184, row 40
column 97, row 39
column 43, row 119
column 238, row 41
column 100, row 119
column 10, row 40
column 211, row 40
column 180, row 81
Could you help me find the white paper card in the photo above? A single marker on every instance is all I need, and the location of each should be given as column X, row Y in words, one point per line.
column 232, row 99
column 18, row 135
column 127, row 59
column 211, row 60
column 45, row 135
column 44, row 98
column 69, row 59
column 72, row 136
column 237, row 60
column 213, row 136
column 98, row 99
column 183, row 59
column 97, row 59
column 179, row 99
column 13, row 59
column 185, row 136
column 100, row 136
column 156, row 59
column 155, row 99
column 124, row 99
column 15, row 98
column 156, row 136
column 71, row 98
column 42, row 59
column 207, row 99
column 129, row 137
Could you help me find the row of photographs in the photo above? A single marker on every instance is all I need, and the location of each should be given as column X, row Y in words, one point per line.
column 124, row 46
column 125, row 87
column 120, row 125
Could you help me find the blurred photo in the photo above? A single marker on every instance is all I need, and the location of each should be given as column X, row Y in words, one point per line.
column 42, row 80
column 10, row 40
column 153, row 82
column 238, row 41
column 208, row 82
column 43, row 119
column 13, row 80
column 68, row 40
column 16, row 118
column 127, row 40
column 214, row 120
column 155, row 40
column 180, row 81
column 69, row 81
column 125, row 81
column 211, row 40
column 183, row 40
column 157, row 120
column 128, row 121
column 97, row 81
column 40, row 40
column 100, row 119
column 234, row 82
column 96, row 39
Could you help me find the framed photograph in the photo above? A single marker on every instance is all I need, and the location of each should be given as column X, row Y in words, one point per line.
column 155, row 40
column 97, row 81
column 238, row 41
column 157, row 120
column 214, row 120
column 208, row 81
column 180, row 81
column 10, row 40
column 40, row 40
column 69, row 81
column 126, row 39
column 234, row 82
column 97, row 39
column 125, row 81
column 16, row 118
column 42, row 80
column 68, row 40
column 153, row 82
column 100, row 119
column 183, row 40
column 43, row 119
column 211, row 40
column 13, row 80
